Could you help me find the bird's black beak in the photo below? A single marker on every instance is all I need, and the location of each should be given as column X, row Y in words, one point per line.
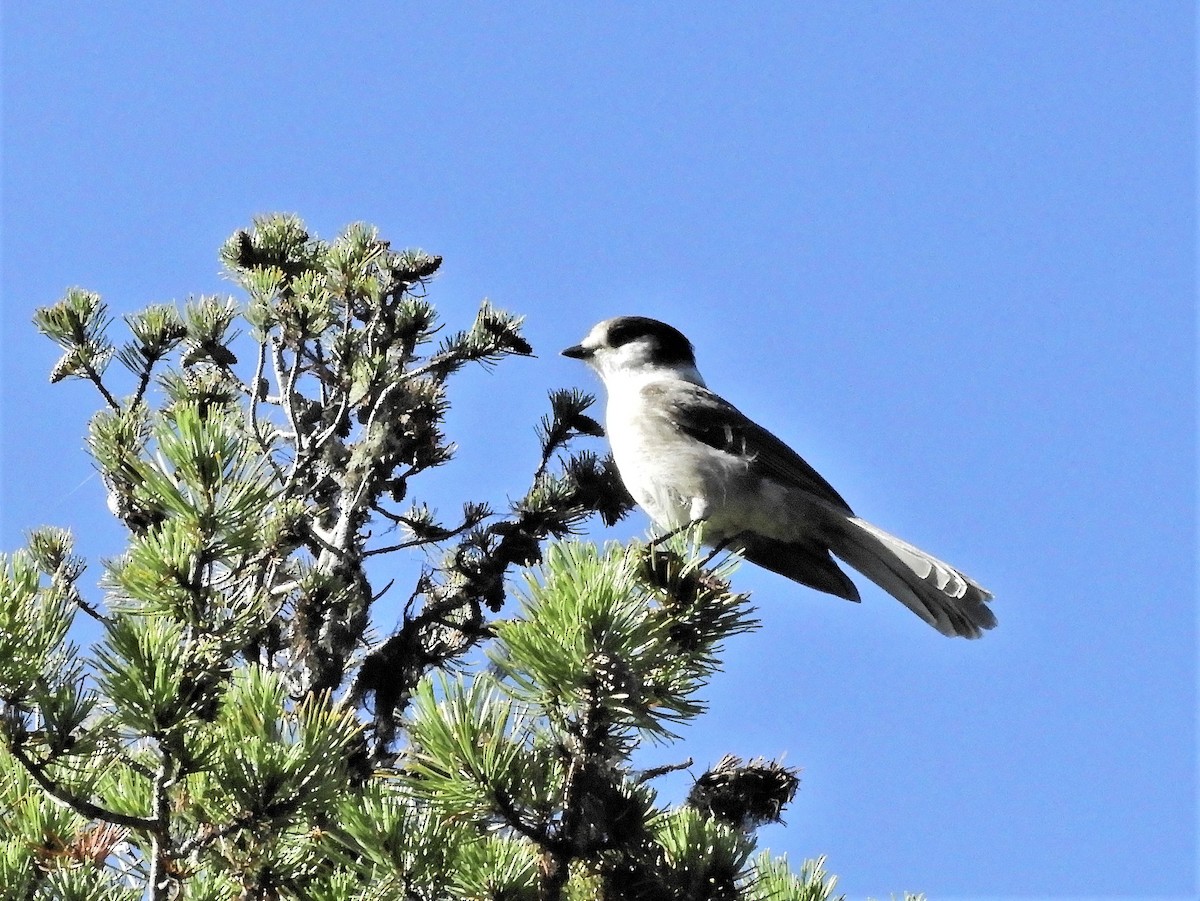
column 577, row 352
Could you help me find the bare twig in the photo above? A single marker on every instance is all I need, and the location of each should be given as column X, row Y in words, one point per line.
column 464, row 526
column 654, row 772
column 287, row 399
column 260, row 364
column 95, row 379
column 89, row 609
column 143, row 383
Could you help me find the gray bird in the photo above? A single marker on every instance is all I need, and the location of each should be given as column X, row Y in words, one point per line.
column 689, row 456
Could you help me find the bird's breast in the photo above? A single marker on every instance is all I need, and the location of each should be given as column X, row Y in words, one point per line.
column 653, row 463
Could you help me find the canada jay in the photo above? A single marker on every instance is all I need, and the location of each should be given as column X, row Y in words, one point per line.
column 689, row 456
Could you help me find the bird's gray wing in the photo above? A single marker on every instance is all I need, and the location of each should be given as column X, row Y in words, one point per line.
column 714, row 421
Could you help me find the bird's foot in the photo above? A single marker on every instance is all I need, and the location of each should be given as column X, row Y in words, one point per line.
column 720, row 546
column 667, row 536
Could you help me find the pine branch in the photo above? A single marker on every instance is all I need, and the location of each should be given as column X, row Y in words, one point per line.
column 72, row 802
column 94, row 377
column 243, row 601
column 161, row 879
column 514, row 820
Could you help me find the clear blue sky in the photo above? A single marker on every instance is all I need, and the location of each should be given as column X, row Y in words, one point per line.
column 945, row 249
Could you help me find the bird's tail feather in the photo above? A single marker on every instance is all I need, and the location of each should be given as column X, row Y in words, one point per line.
column 945, row 598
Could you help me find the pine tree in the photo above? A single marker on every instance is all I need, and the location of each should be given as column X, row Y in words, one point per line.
column 240, row 729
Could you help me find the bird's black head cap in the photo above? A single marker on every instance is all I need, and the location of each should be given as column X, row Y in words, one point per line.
column 670, row 346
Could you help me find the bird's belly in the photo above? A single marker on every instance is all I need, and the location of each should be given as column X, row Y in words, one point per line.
column 667, row 502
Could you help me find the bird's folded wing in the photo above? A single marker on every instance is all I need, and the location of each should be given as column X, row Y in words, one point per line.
column 719, row 424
